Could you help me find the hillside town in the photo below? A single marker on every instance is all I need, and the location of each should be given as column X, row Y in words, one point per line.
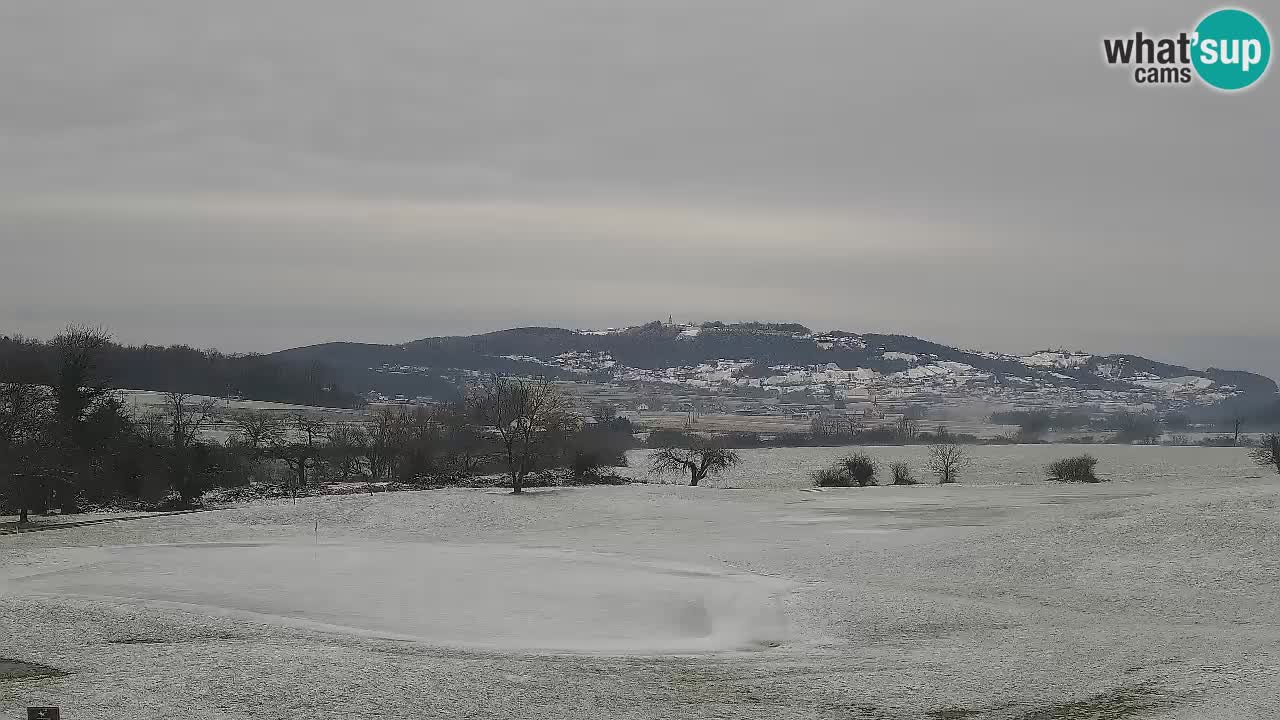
column 926, row 382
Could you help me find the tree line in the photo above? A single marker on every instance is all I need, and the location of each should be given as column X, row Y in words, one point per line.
column 71, row 443
column 515, row 426
column 178, row 368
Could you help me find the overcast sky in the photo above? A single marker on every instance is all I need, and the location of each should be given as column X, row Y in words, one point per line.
column 258, row 175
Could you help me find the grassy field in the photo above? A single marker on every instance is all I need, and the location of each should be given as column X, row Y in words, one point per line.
column 1149, row 596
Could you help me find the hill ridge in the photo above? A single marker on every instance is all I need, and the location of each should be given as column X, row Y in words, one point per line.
column 755, row 358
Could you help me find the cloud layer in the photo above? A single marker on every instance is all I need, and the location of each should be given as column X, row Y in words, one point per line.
column 255, row 177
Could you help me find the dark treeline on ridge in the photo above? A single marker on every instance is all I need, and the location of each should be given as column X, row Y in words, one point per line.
column 179, row 368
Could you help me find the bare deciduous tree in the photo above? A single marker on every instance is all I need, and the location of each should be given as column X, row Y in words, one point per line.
column 344, row 445
column 700, row 459
column 947, row 460
column 834, row 425
column 381, row 439
column 253, row 438
column 186, row 416
column 907, row 430
column 465, row 441
column 299, row 449
column 522, row 411
column 257, row 431
column 308, row 429
column 80, row 381
column 421, row 441
column 24, row 417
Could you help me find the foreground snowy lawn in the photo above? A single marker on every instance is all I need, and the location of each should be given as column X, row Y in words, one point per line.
column 1133, row 599
column 499, row 597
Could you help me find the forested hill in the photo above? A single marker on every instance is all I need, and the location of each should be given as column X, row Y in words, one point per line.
column 771, row 350
column 185, row 369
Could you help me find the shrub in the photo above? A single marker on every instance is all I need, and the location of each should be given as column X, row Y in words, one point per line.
column 857, row 470
column 902, row 474
column 833, row 476
column 1074, row 469
column 1267, row 453
column 585, row 464
column 861, row 469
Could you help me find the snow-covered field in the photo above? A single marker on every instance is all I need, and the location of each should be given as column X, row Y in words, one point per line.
column 989, row 464
column 146, row 399
column 1151, row 596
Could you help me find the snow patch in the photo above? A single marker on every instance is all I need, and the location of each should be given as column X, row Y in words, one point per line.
column 1056, row 359
column 490, row 596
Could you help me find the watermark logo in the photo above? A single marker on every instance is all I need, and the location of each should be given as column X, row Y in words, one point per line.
column 1235, row 49
column 1229, row 49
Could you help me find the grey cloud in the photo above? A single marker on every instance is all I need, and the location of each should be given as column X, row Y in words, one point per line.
column 971, row 172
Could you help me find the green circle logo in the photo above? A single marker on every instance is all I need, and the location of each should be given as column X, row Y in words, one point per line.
column 1232, row 49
